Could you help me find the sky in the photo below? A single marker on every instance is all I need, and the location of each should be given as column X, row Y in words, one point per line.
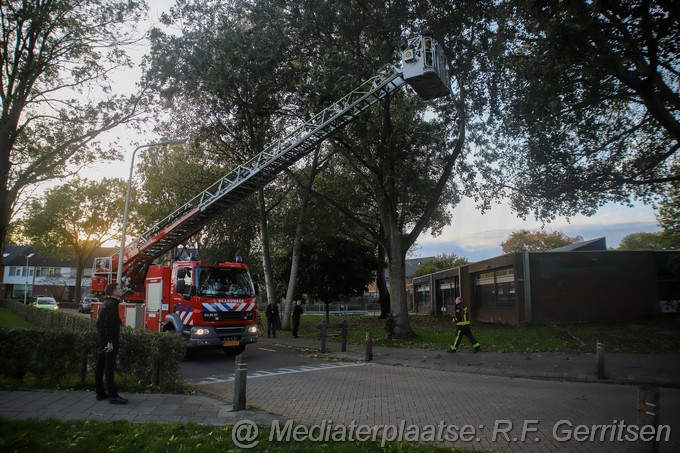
column 477, row 236
column 472, row 235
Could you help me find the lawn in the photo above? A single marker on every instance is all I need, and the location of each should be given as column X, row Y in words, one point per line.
column 88, row 436
column 10, row 320
column 653, row 335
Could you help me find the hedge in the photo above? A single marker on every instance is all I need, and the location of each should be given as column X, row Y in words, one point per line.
column 66, row 345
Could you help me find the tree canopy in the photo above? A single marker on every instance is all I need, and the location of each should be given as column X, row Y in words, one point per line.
column 537, row 241
column 335, row 269
column 643, row 241
column 55, row 54
column 75, row 219
column 440, row 263
column 585, row 107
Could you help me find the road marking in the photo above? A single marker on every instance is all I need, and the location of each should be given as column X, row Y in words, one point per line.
column 265, row 349
column 281, row 371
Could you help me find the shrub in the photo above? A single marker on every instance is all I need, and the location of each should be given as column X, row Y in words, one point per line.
column 67, row 345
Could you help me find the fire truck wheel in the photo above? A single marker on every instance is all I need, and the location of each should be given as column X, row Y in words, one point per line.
column 234, row 350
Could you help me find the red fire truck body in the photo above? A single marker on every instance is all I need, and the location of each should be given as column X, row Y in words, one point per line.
column 210, row 305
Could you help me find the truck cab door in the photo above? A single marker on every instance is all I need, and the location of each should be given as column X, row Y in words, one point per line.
column 154, row 301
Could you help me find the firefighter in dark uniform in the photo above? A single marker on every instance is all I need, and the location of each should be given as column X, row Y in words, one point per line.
column 462, row 322
column 109, row 334
column 297, row 312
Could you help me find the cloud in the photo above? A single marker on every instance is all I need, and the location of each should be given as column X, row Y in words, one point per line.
column 472, row 232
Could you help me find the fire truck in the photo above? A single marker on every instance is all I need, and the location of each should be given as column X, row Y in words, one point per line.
column 214, row 305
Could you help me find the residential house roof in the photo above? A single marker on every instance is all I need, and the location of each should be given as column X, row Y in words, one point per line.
column 15, row 255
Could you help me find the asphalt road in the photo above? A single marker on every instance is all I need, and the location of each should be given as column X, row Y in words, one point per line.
column 261, row 358
column 74, row 311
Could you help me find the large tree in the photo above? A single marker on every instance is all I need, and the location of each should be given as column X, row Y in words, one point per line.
column 381, row 152
column 75, row 219
column 54, row 54
column 228, row 74
column 586, row 105
column 398, row 158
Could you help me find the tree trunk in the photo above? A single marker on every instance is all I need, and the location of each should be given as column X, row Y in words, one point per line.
column 79, row 280
column 297, row 242
column 383, row 292
column 328, row 311
column 266, row 257
column 399, row 305
column 5, row 212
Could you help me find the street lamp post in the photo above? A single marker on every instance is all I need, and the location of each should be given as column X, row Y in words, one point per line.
column 26, row 286
column 176, row 141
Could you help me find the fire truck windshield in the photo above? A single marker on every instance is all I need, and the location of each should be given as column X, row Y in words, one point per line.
column 224, row 282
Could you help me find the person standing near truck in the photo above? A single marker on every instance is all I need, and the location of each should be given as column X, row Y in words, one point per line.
column 462, row 323
column 108, row 326
column 272, row 319
column 297, row 312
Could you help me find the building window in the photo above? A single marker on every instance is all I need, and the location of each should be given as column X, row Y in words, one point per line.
column 496, row 289
column 39, row 272
column 19, row 271
column 423, row 295
column 54, row 272
column 449, row 290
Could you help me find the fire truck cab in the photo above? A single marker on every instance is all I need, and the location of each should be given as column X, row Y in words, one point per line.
column 210, row 305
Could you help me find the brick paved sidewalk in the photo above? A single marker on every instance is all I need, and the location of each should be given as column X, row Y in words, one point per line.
column 160, row 408
column 378, row 394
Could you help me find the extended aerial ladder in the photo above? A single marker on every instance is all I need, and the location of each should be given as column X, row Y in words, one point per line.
column 424, row 68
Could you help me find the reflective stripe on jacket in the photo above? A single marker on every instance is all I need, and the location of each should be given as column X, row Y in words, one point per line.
column 462, row 317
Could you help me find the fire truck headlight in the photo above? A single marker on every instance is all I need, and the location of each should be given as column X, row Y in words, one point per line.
column 200, row 331
column 252, row 329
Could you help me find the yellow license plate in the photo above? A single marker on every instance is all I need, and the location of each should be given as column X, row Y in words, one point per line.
column 232, row 343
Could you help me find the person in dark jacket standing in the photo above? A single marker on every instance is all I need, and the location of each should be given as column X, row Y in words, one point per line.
column 109, row 333
column 272, row 319
column 297, row 311
column 462, row 323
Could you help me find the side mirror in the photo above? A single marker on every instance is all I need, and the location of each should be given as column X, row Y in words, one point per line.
column 192, row 291
column 180, row 287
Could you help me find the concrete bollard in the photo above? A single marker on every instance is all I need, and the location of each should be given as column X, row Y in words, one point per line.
column 343, row 336
column 240, row 384
column 648, row 415
column 369, row 346
column 600, row 357
column 324, row 333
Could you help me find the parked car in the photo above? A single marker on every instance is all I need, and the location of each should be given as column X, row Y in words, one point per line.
column 46, row 302
column 86, row 304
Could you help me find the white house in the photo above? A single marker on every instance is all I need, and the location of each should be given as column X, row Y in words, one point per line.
column 25, row 273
